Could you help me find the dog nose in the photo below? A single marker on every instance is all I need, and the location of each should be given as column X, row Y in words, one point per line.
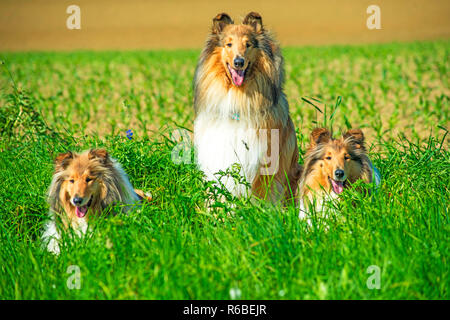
column 339, row 173
column 77, row 200
column 238, row 62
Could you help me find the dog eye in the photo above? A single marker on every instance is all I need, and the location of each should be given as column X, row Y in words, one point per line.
column 71, row 181
column 88, row 179
column 328, row 158
column 229, row 45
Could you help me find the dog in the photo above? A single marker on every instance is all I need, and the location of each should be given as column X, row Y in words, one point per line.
column 241, row 112
column 83, row 185
column 331, row 165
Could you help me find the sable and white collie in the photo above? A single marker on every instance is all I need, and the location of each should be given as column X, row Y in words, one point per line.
column 242, row 115
column 82, row 185
column 331, row 165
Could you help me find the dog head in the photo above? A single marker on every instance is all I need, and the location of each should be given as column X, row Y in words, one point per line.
column 81, row 175
column 239, row 44
column 338, row 160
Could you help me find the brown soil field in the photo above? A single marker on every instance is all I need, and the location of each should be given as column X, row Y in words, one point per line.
column 137, row 24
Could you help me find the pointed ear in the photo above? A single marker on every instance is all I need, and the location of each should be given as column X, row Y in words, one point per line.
column 100, row 154
column 220, row 21
column 254, row 20
column 320, row 135
column 357, row 137
column 63, row 160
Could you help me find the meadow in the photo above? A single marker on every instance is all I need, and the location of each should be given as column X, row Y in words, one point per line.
column 175, row 247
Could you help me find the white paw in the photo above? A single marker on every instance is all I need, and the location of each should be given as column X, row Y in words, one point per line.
column 303, row 214
column 53, row 246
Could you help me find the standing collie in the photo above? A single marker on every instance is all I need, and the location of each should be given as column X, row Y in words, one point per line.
column 83, row 184
column 331, row 165
column 242, row 115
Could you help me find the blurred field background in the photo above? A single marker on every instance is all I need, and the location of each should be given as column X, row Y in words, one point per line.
column 139, row 24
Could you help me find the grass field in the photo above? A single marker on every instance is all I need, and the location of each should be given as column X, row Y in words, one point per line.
column 174, row 248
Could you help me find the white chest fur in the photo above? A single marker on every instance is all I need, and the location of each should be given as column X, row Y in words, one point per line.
column 222, row 142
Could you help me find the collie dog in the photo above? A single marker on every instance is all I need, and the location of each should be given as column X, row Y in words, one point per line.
column 331, row 165
column 82, row 185
column 242, row 115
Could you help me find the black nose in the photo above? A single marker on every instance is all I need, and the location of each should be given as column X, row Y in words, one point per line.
column 77, row 200
column 238, row 62
column 339, row 173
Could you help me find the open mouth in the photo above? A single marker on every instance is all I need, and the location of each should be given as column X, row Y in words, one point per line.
column 337, row 186
column 82, row 210
column 237, row 76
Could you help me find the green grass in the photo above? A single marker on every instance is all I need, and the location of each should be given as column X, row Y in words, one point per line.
column 174, row 248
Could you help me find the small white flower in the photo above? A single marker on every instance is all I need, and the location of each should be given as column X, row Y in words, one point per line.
column 322, row 291
column 108, row 244
column 235, row 293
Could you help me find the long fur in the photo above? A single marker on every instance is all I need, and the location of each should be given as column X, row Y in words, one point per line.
column 112, row 187
column 314, row 186
column 260, row 104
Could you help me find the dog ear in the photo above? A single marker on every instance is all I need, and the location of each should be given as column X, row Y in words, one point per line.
column 220, row 21
column 357, row 137
column 63, row 160
column 320, row 135
column 100, row 154
column 254, row 20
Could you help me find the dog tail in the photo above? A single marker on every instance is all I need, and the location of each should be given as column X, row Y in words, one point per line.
column 144, row 195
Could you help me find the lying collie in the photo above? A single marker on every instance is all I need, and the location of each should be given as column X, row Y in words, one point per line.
column 82, row 185
column 331, row 165
column 242, row 115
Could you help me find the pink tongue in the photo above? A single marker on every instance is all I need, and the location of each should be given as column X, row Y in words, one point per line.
column 338, row 186
column 238, row 76
column 81, row 211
